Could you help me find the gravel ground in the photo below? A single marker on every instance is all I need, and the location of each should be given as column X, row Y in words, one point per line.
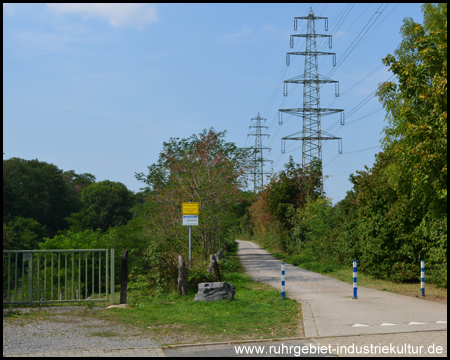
column 65, row 331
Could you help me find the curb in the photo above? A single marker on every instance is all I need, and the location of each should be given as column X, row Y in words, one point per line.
column 170, row 346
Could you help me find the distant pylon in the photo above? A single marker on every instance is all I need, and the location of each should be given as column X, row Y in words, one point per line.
column 311, row 113
column 258, row 162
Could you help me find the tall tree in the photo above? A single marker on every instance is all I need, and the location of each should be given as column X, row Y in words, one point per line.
column 35, row 189
column 105, row 204
column 416, row 135
column 204, row 169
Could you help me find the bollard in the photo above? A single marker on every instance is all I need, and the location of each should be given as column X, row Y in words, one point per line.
column 355, row 289
column 422, row 277
column 282, row 280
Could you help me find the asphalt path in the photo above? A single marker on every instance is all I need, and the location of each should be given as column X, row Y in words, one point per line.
column 327, row 304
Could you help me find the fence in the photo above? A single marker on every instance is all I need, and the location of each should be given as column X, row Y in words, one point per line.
column 47, row 276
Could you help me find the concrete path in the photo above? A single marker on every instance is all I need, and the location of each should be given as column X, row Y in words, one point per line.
column 328, row 307
column 418, row 344
column 411, row 344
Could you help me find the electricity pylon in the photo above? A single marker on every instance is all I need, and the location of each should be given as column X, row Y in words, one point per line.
column 258, row 165
column 311, row 113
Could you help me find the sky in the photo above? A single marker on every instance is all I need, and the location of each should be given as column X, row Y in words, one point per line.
column 98, row 88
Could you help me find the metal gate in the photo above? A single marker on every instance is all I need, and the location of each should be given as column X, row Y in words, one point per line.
column 58, row 276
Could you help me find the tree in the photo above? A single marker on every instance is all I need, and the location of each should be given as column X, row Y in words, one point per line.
column 77, row 182
column 291, row 188
column 204, row 169
column 22, row 234
column 36, row 190
column 416, row 135
column 415, row 139
column 105, row 204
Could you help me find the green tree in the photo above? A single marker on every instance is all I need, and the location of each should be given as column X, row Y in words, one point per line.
column 290, row 188
column 105, row 204
column 36, row 190
column 203, row 168
column 22, row 234
column 415, row 142
column 416, row 135
column 77, row 182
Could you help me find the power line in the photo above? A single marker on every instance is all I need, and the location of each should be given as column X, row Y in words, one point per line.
column 358, row 39
column 360, row 81
column 348, row 28
column 351, row 152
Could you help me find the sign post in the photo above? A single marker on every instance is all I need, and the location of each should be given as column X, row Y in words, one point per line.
column 190, row 212
column 190, row 246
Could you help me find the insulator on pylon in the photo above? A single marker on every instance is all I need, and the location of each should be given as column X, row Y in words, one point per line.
column 295, row 24
column 334, row 59
column 280, row 118
column 340, row 146
column 292, row 42
column 288, row 59
column 326, row 24
column 342, row 118
column 285, row 89
column 336, row 89
column 330, row 42
column 283, row 146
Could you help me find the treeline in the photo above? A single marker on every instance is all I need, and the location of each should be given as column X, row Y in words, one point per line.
column 396, row 213
column 47, row 208
column 41, row 201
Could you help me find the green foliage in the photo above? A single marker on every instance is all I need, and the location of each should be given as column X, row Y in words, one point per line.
column 290, row 188
column 77, row 182
column 416, row 136
column 106, row 204
column 22, row 234
column 274, row 206
column 203, row 168
column 35, row 189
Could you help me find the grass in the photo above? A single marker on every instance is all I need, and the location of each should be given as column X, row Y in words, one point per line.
column 256, row 313
column 345, row 273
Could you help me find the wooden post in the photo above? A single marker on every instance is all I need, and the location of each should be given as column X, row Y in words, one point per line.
column 124, row 277
column 182, row 286
column 211, row 264
column 214, row 266
column 216, row 270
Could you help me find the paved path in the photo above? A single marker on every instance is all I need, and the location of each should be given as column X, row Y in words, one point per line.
column 328, row 307
column 391, row 345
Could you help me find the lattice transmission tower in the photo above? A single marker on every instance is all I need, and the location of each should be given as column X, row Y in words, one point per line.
column 311, row 113
column 258, row 165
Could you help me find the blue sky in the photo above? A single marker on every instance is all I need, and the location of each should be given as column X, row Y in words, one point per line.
column 98, row 88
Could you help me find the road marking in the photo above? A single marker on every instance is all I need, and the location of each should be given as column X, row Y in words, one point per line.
column 441, row 322
column 387, row 324
column 360, row 325
column 416, row 323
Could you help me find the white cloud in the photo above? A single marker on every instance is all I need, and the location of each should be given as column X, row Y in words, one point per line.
column 8, row 9
column 123, row 14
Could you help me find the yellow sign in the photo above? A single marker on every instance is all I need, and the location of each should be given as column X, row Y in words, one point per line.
column 190, row 208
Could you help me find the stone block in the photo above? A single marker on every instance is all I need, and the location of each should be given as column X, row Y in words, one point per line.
column 215, row 291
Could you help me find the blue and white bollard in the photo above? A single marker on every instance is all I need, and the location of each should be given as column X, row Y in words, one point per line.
column 355, row 289
column 422, row 277
column 282, row 280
